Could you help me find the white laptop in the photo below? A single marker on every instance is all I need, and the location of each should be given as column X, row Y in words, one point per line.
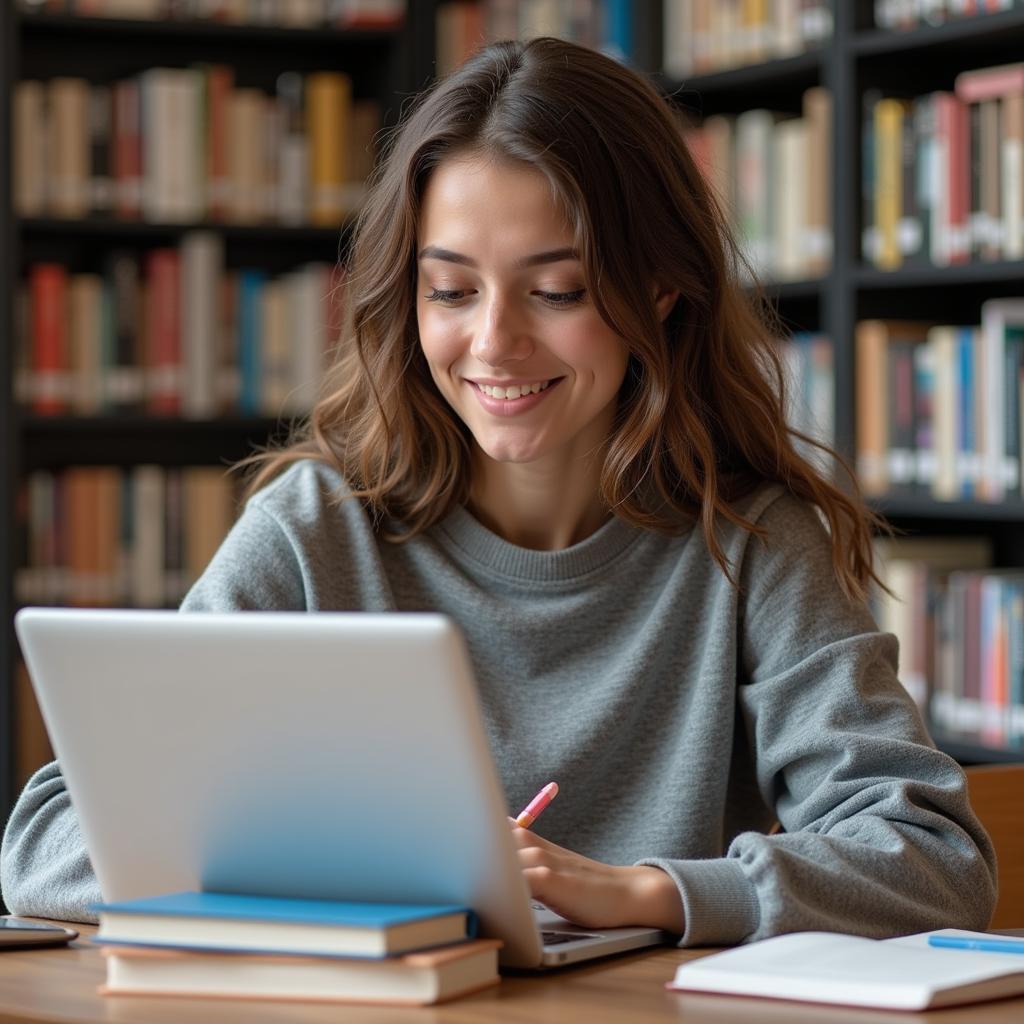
column 327, row 755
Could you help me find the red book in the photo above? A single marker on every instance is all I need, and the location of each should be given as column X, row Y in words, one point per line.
column 959, row 182
column 127, row 149
column 48, row 287
column 220, row 80
column 164, row 369
column 952, row 142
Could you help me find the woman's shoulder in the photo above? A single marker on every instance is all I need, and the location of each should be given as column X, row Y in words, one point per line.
column 776, row 510
column 309, row 488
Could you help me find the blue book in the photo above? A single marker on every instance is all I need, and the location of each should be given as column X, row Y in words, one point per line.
column 618, row 35
column 271, row 924
column 250, row 341
column 967, row 433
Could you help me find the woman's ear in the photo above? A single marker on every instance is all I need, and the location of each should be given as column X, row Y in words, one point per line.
column 664, row 300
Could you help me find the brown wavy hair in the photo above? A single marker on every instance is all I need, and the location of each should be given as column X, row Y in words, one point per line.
column 700, row 419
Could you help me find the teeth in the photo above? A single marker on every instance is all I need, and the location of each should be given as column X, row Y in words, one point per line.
column 515, row 391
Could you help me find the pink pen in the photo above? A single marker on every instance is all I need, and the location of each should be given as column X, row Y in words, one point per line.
column 532, row 811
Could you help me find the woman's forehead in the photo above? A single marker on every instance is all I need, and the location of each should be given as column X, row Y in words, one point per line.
column 474, row 201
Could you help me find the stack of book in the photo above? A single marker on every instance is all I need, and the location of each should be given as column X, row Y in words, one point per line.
column 220, row 944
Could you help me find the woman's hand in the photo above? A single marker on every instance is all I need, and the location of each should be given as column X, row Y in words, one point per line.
column 593, row 894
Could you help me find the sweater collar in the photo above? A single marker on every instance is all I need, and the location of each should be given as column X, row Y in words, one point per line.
column 461, row 531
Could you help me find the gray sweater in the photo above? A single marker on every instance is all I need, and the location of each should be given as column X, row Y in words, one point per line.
column 680, row 716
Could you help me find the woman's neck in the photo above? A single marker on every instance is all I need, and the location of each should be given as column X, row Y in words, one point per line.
column 543, row 506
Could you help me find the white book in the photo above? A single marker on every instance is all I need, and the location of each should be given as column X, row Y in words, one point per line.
column 172, row 161
column 824, row 967
column 790, row 198
column 308, row 298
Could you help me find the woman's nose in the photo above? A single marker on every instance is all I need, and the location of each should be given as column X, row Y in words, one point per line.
column 502, row 335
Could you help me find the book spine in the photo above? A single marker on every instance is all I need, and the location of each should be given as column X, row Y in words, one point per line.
column 1013, row 175
column 29, row 149
column 924, row 416
column 48, row 286
column 888, row 128
column 872, row 412
column 202, row 261
column 68, row 150
column 250, row 340
column 127, row 149
column 164, row 362
column 329, row 102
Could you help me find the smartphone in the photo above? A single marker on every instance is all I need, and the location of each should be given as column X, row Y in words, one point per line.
column 20, row 933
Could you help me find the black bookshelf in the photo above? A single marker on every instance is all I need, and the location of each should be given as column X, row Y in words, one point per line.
column 389, row 65
column 394, row 65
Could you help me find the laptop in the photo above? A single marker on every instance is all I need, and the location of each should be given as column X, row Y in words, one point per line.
column 327, row 755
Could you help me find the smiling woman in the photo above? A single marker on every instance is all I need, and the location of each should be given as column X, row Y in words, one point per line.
column 556, row 417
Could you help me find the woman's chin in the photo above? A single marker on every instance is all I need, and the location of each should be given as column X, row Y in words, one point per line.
column 511, row 453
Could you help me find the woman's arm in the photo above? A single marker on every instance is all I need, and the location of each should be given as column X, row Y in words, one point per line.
column 877, row 835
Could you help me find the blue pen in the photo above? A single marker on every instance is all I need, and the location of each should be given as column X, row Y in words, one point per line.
column 992, row 945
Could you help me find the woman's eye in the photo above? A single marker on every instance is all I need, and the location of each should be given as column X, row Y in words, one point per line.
column 564, row 298
column 439, row 295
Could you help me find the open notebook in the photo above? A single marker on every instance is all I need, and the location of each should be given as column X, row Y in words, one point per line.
column 823, row 967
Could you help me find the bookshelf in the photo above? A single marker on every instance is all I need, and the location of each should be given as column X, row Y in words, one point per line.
column 391, row 66
column 387, row 65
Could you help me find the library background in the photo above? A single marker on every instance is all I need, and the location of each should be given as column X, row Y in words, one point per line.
column 178, row 178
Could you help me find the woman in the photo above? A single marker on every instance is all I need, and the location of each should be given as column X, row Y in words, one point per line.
column 556, row 417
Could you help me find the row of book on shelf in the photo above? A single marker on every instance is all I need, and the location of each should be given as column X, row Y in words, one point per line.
column 903, row 15
column 266, row 947
column 702, row 36
column 190, row 144
column 960, row 627
column 283, row 13
column 772, row 175
column 107, row 536
column 944, row 173
column 174, row 333
column 939, row 406
column 462, row 26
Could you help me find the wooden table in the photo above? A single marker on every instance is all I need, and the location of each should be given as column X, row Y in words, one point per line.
column 60, row 985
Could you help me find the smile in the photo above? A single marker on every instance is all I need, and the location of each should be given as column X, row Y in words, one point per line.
column 515, row 391
column 514, row 399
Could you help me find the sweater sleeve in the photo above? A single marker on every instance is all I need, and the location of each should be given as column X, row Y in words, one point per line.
column 877, row 836
column 44, row 867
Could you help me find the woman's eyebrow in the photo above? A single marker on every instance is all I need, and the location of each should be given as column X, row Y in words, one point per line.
column 435, row 252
